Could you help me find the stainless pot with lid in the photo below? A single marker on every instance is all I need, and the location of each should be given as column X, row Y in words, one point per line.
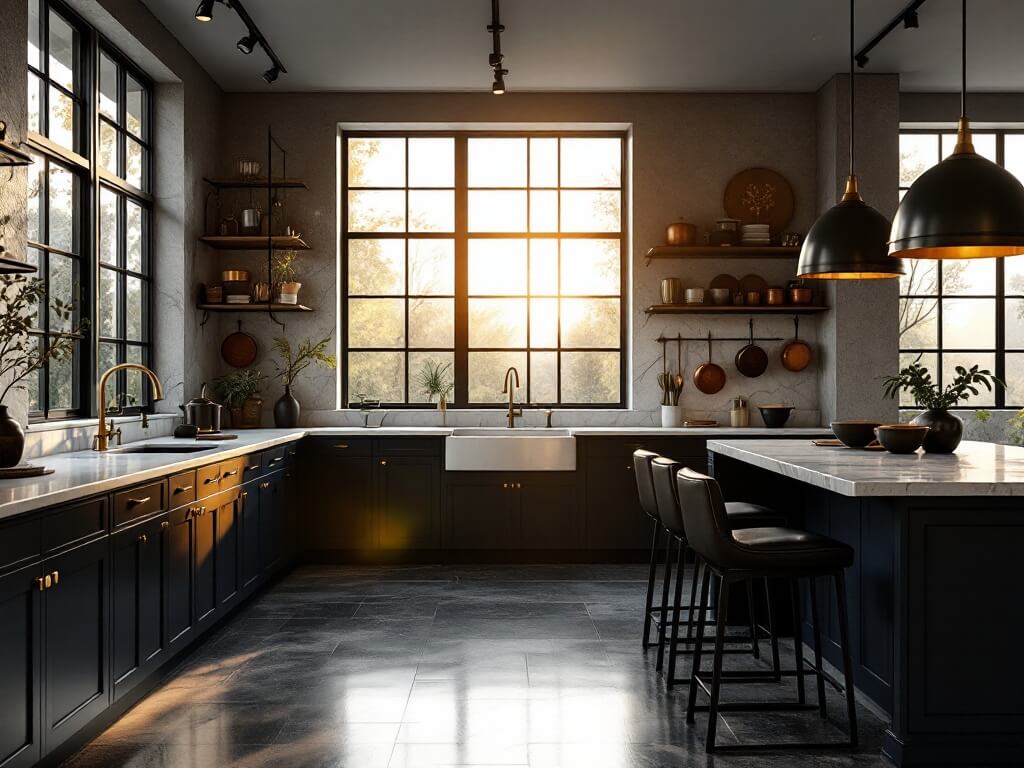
column 203, row 413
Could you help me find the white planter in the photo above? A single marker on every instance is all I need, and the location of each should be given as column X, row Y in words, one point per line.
column 671, row 416
column 289, row 293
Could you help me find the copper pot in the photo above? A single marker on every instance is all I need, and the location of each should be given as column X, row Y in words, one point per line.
column 775, row 296
column 681, row 233
column 796, row 355
column 800, row 295
column 708, row 377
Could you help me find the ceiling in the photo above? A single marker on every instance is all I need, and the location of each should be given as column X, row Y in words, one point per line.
column 595, row 45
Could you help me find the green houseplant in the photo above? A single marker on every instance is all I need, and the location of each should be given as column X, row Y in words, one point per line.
column 21, row 356
column 240, row 392
column 946, row 430
column 293, row 361
column 284, row 278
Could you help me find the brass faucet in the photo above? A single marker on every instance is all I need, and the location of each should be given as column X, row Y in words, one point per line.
column 508, row 390
column 104, row 433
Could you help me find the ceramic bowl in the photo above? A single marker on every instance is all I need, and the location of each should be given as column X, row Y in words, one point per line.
column 901, row 438
column 855, row 433
column 775, row 416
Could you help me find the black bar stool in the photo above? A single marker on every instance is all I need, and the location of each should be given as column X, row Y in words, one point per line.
column 735, row 555
column 739, row 515
column 645, row 489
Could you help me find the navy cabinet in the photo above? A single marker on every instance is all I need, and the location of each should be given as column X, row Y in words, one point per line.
column 249, row 534
column 20, row 679
column 228, row 554
column 179, row 600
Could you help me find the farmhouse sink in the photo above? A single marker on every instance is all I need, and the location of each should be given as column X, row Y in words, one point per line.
column 522, row 449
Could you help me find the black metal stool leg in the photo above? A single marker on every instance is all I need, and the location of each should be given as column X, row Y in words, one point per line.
column 844, row 636
column 774, row 639
column 798, row 640
column 716, row 678
column 670, row 679
column 664, row 603
column 652, row 572
column 693, row 597
column 691, row 704
column 819, row 673
column 752, row 619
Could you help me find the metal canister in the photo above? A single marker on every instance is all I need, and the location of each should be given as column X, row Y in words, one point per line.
column 739, row 413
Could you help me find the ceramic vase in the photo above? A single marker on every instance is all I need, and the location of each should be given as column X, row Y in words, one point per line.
column 946, row 430
column 12, row 440
column 287, row 410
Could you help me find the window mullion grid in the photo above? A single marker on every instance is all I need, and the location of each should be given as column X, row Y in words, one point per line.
column 405, row 282
column 461, row 271
column 529, row 267
column 1000, row 351
column 558, row 273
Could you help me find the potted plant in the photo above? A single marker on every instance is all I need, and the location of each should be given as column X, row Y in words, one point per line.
column 21, row 355
column 293, row 362
column 284, row 277
column 435, row 381
column 945, row 429
column 240, row 392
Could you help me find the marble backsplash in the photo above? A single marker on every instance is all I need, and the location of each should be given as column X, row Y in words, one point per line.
column 46, row 439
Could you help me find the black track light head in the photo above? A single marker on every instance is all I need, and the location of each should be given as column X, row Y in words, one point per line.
column 910, row 20
column 204, row 11
column 247, row 43
column 498, row 87
column 271, row 74
column 862, row 60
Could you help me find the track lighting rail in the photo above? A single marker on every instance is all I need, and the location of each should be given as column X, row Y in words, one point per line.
column 253, row 37
column 907, row 17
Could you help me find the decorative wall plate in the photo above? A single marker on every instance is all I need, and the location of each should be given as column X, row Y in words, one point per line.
column 760, row 196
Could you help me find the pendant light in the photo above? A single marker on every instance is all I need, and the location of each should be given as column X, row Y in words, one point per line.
column 848, row 242
column 966, row 207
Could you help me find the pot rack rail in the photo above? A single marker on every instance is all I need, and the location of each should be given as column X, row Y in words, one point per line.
column 665, row 339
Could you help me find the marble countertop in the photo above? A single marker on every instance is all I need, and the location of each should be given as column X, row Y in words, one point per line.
column 585, row 431
column 976, row 469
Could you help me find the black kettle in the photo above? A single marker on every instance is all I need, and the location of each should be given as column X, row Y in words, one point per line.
column 203, row 413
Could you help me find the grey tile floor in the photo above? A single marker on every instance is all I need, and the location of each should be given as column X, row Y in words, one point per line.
column 409, row 667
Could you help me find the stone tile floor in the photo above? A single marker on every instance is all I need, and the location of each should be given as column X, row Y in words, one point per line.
column 410, row 667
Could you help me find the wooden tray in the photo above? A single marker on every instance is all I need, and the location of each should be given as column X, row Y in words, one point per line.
column 24, row 470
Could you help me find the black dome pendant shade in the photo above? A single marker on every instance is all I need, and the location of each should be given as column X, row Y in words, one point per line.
column 848, row 242
column 966, row 207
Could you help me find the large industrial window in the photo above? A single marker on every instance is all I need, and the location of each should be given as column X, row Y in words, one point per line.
column 89, row 207
column 967, row 311
column 485, row 251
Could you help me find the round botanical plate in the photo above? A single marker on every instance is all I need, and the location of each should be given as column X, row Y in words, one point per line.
column 753, row 283
column 760, row 196
column 725, row 281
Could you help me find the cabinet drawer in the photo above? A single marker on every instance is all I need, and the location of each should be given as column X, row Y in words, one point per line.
column 231, row 473
column 207, row 480
column 138, row 502
column 409, row 446
column 182, row 489
column 75, row 523
column 273, row 459
column 343, row 447
column 20, row 542
column 251, row 467
column 622, row 449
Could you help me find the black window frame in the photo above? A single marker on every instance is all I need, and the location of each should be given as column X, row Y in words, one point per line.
column 462, row 236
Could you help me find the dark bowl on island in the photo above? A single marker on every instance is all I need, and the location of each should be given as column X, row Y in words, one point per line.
column 855, row 433
column 901, row 438
column 775, row 416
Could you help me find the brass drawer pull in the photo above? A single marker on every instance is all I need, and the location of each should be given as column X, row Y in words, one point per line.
column 43, row 582
column 143, row 500
column 56, row 577
column 264, row 485
column 277, row 459
column 341, row 445
column 245, row 494
column 182, row 489
column 252, row 467
column 143, row 539
column 232, row 473
column 383, row 462
column 165, row 524
column 209, row 480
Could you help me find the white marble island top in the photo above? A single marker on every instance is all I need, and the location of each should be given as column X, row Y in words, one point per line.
column 976, row 469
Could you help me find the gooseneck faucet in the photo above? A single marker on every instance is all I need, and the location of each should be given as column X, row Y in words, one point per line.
column 507, row 389
column 102, row 437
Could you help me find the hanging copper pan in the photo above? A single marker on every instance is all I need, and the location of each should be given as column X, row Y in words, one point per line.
column 239, row 349
column 796, row 355
column 708, row 377
column 751, row 360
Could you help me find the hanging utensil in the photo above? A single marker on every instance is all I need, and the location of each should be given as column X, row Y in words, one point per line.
column 239, row 349
column 751, row 360
column 797, row 354
column 708, row 377
column 677, row 380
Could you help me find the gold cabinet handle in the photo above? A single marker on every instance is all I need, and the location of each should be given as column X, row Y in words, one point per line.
column 504, row 485
column 41, row 582
column 383, row 462
column 143, row 500
column 165, row 524
column 277, row 459
column 264, row 485
column 202, row 510
column 182, row 489
column 56, row 577
column 245, row 494
column 209, row 480
column 292, row 452
column 143, row 539
column 341, row 445
column 252, row 467
column 519, row 485
column 46, row 582
column 232, row 473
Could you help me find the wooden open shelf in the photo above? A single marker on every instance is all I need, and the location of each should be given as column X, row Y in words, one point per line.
column 15, row 267
column 256, row 183
column 254, row 242
column 722, row 252
column 254, row 307
column 729, row 309
column 12, row 155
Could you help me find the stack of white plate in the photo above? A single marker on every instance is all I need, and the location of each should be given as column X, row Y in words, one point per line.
column 237, row 299
column 756, row 234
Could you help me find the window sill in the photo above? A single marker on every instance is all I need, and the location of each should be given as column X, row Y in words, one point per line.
column 51, row 426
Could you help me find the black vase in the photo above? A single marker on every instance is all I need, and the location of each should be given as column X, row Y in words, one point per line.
column 12, row 440
column 945, row 432
column 287, row 410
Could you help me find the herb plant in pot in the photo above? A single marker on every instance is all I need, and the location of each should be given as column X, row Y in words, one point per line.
column 21, row 356
column 240, row 392
column 284, row 277
column 294, row 360
column 436, row 381
column 946, row 430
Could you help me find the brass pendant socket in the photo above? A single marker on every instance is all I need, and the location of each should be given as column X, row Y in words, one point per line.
column 851, row 192
column 964, row 142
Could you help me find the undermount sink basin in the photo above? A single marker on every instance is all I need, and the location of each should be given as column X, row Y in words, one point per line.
column 165, row 448
column 498, row 449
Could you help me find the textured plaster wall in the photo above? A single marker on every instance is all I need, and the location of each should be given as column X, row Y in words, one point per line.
column 685, row 147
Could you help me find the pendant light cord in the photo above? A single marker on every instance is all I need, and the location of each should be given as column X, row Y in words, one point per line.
column 963, row 58
column 852, row 113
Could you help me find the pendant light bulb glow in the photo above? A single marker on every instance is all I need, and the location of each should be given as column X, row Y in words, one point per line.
column 848, row 241
column 204, row 11
column 966, row 207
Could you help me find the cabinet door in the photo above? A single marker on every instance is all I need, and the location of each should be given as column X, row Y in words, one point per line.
column 409, row 502
column 249, row 530
column 551, row 516
column 205, row 568
column 483, row 514
column 339, row 491
column 20, row 603
column 229, row 548
column 179, row 590
column 138, row 569
column 269, row 548
column 75, row 643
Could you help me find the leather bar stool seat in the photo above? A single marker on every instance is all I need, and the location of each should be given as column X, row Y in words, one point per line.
column 743, row 514
column 765, row 549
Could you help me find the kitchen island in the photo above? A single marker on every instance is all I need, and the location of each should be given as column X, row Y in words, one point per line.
column 936, row 617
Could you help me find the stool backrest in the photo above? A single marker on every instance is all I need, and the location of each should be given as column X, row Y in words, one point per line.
column 664, row 472
column 707, row 525
column 644, row 484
